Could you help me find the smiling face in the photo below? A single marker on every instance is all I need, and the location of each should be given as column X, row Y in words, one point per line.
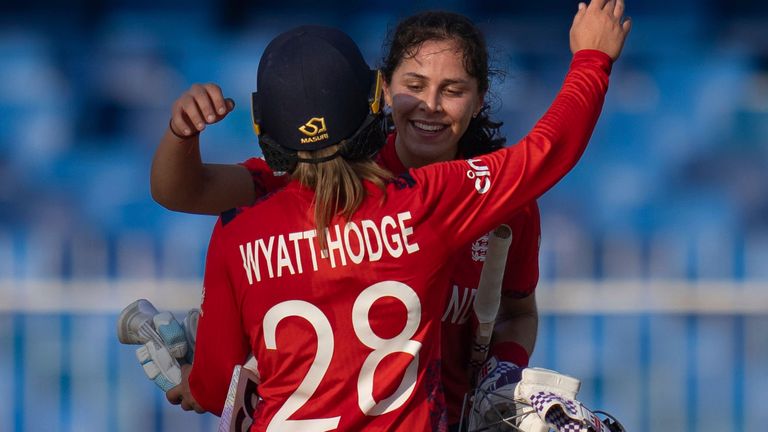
column 433, row 99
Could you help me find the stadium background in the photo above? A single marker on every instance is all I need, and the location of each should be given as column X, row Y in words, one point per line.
column 654, row 283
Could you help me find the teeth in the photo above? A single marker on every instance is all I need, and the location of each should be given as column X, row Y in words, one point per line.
column 428, row 127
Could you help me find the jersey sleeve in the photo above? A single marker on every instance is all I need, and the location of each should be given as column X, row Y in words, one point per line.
column 264, row 179
column 473, row 196
column 522, row 271
column 220, row 343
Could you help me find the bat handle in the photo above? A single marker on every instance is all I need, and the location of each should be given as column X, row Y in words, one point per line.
column 480, row 348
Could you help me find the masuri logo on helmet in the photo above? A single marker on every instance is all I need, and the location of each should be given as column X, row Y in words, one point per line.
column 312, row 129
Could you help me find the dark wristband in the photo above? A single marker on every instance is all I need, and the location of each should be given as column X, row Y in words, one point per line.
column 170, row 126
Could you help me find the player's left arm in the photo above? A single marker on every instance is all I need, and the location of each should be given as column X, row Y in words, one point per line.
column 514, row 335
column 221, row 341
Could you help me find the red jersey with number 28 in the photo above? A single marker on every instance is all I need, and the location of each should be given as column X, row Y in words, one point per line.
column 520, row 277
column 348, row 338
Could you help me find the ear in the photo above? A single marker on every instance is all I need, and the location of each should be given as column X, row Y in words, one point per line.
column 387, row 93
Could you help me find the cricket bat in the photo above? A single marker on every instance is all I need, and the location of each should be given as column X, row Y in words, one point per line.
column 242, row 399
column 488, row 296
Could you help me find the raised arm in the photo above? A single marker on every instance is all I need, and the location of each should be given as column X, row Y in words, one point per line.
column 517, row 323
column 179, row 179
column 485, row 190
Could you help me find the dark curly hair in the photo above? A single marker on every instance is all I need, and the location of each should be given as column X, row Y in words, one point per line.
column 482, row 135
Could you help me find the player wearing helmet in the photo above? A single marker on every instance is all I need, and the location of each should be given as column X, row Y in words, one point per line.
column 328, row 313
column 426, row 134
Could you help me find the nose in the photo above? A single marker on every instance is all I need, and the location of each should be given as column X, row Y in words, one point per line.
column 432, row 101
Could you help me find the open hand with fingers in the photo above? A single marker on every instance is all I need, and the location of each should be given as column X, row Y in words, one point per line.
column 201, row 105
column 602, row 26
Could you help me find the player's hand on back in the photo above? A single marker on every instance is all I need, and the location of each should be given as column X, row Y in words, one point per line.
column 602, row 26
column 201, row 105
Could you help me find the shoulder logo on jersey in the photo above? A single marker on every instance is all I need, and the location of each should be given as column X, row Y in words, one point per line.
column 314, row 130
column 481, row 174
column 480, row 248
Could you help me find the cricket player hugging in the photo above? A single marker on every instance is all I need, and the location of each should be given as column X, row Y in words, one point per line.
column 342, row 308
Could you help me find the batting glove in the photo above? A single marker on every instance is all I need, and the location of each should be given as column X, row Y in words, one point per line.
column 172, row 334
column 159, row 365
column 165, row 342
column 553, row 397
column 161, row 362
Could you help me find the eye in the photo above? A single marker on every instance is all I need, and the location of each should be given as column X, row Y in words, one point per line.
column 454, row 92
column 414, row 87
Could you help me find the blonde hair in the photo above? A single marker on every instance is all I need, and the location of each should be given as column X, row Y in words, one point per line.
column 338, row 185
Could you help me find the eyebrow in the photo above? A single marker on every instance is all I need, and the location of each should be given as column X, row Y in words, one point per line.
column 444, row 82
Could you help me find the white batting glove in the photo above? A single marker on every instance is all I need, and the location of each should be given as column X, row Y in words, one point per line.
column 171, row 333
column 161, row 361
column 159, row 365
column 165, row 342
column 553, row 396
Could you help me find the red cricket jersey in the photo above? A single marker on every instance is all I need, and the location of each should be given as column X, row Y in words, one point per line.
column 521, row 275
column 348, row 340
